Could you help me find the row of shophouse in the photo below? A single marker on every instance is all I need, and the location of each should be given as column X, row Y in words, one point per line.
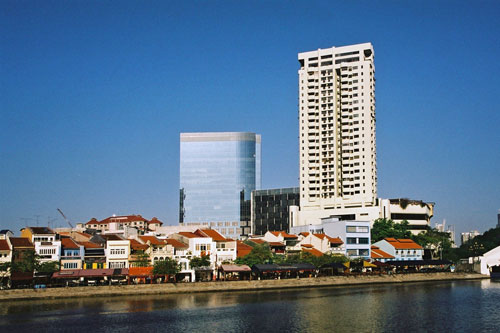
column 123, row 242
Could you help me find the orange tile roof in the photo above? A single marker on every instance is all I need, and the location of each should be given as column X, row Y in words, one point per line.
column 152, row 239
column 140, row 271
column 377, row 253
column 314, row 252
column 335, row 240
column 4, row 246
column 135, row 245
column 403, row 244
column 276, row 244
column 214, row 234
column 68, row 243
column 190, row 234
column 257, row 241
column 155, row 220
column 284, row 234
column 242, row 249
column 305, row 234
column 175, row 243
column 307, row 245
column 120, row 219
column 90, row 245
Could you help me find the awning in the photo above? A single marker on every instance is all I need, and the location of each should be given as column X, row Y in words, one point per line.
column 140, row 271
column 334, row 265
column 235, row 268
column 90, row 273
column 419, row 262
column 264, row 268
column 367, row 264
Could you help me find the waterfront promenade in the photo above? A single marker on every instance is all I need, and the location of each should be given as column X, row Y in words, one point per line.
column 222, row 286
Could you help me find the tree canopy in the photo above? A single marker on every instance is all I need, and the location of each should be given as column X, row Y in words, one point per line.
column 166, row 267
column 384, row 228
column 260, row 254
column 142, row 259
column 199, row 261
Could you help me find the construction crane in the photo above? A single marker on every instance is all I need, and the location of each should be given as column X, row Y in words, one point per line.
column 65, row 218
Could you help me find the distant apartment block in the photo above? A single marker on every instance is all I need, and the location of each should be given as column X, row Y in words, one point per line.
column 218, row 172
column 270, row 209
column 467, row 236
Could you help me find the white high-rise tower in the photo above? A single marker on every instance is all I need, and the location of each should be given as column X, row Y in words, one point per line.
column 337, row 128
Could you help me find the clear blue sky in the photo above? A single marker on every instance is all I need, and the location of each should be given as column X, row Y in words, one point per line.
column 94, row 94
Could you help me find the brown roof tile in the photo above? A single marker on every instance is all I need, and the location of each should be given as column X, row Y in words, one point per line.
column 68, row 243
column 176, row 244
column 152, row 240
column 20, row 242
column 4, row 246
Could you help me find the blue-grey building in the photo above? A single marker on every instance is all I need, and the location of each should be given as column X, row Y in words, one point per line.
column 218, row 172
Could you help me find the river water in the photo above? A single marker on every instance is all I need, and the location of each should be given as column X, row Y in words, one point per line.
column 461, row 306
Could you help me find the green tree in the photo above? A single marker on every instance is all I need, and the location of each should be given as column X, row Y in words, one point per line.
column 199, row 261
column 142, row 259
column 166, row 267
column 29, row 263
column 48, row 267
column 384, row 228
column 260, row 254
column 435, row 240
column 4, row 271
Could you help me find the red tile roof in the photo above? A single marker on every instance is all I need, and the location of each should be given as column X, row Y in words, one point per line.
column 307, row 245
column 135, row 245
column 4, row 246
column 155, row 220
column 90, row 245
column 276, row 244
column 214, row 234
column 258, row 241
column 120, row 219
column 151, row 239
column 190, row 234
column 377, row 253
column 176, row 244
column 20, row 242
column 314, row 252
column 403, row 244
column 68, row 243
column 242, row 249
column 284, row 234
column 305, row 234
column 335, row 240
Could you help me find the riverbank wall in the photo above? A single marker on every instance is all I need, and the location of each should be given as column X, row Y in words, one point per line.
column 225, row 286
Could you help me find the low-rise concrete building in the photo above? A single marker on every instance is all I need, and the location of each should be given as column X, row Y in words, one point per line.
column 225, row 248
column 158, row 249
column 46, row 241
column 72, row 254
column 355, row 234
column 117, row 252
column 321, row 242
column 401, row 249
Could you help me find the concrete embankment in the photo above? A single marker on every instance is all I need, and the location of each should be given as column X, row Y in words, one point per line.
column 221, row 286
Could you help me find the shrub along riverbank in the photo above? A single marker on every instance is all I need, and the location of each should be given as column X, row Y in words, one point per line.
column 225, row 286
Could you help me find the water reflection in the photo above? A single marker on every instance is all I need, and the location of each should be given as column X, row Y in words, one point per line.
column 437, row 306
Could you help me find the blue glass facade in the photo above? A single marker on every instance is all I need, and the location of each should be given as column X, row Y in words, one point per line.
column 218, row 172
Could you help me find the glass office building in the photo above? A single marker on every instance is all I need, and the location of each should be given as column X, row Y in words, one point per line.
column 271, row 208
column 218, row 172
